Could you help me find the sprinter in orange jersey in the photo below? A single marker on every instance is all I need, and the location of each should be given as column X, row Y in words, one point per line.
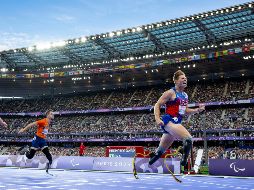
column 39, row 140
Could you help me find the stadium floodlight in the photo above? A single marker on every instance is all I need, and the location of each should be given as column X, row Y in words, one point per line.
column 77, row 40
column 11, row 97
column 4, row 70
column 31, row 48
column 250, row 5
column 83, row 39
column 139, row 29
column 118, row 33
column 111, row 34
column 42, row 46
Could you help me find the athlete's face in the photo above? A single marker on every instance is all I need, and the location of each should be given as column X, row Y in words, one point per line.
column 50, row 115
column 182, row 81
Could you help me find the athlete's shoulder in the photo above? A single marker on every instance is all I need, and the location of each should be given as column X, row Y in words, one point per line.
column 42, row 121
column 185, row 95
column 169, row 92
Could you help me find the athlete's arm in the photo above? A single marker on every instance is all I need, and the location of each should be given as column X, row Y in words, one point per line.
column 2, row 123
column 190, row 111
column 162, row 100
column 28, row 126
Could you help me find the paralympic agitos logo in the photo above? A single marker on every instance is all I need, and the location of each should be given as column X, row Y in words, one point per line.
column 236, row 169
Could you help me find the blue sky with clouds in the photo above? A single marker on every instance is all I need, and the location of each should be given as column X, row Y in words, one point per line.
column 29, row 22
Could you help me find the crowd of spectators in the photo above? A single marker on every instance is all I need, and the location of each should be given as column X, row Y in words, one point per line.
column 198, row 92
column 230, row 118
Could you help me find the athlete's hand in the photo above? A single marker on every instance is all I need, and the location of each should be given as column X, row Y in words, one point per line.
column 4, row 124
column 159, row 122
column 201, row 108
column 21, row 130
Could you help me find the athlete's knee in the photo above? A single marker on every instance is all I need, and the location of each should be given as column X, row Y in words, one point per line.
column 30, row 154
column 187, row 141
column 161, row 150
column 154, row 157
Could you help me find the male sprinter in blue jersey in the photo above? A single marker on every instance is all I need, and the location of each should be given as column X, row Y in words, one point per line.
column 176, row 102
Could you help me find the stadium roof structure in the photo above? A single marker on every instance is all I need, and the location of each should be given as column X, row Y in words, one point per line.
column 181, row 34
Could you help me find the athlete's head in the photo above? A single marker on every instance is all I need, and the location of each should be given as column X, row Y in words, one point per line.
column 50, row 114
column 180, row 79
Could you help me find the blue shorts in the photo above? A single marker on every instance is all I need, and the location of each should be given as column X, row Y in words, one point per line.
column 168, row 118
column 38, row 143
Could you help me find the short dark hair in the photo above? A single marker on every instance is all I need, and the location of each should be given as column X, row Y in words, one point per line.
column 48, row 111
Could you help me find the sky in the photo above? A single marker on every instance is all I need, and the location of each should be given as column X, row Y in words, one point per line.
column 24, row 23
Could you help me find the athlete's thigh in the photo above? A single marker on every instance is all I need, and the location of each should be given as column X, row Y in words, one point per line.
column 177, row 130
column 166, row 140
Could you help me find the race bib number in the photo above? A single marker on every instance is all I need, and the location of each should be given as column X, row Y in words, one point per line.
column 182, row 110
column 175, row 119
